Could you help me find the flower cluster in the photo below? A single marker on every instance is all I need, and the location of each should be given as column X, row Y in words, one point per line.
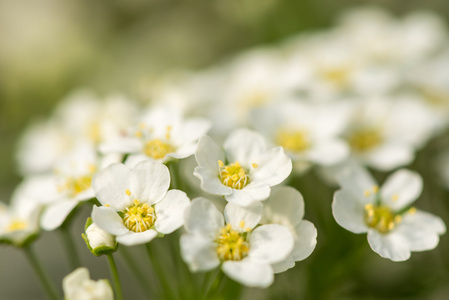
column 238, row 139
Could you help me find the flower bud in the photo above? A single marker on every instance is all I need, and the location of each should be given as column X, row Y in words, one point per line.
column 98, row 241
column 78, row 286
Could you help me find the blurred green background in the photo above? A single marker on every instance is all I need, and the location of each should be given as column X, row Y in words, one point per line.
column 50, row 47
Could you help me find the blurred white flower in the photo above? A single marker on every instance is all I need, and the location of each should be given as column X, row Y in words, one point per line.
column 245, row 171
column 78, row 286
column 285, row 206
column 394, row 227
column 137, row 205
column 245, row 252
column 307, row 132
column 163, row 134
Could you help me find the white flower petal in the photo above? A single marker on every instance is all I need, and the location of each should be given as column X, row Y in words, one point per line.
column 329, row 152
column 136, row 238
column 56, row 213
column 190, row 131
column 356, row 179
column 208, row 154
column 203, row 218
column 210, row 182
column 305, row 241
column 170, row 211
column 184, row 151
column 401, row 188
column 349, row 211
column 108, row 220
column 133, row 159
column 249, row 273
column 200, row 253
column 250, row 215
column 389, row 156
column 270, row 243
column 121, row 145
column 273, row 167
column 255, row 191
column 110, row 186
column 393, row 246
column 150, row 181
column 284, row 265
column 285, row 206
column 244, row 146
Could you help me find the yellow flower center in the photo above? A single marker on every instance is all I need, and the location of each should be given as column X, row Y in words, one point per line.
column 75, row 185
column 337, row 75
column 381, row 218
column 16, row 225
column 139, row 217
column 233, row 175
column 365, row 139
column 232, row 244
column 157, row 149
column 293, row 140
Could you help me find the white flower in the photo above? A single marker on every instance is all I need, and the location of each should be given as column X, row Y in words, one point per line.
column 136, row 204
column 162, row 134
column 244, row 172
column 98, row 241
column 19, row 223
column 307, row 132
column 286, row 207
column 394, row 227
column 78, row 286
column 245, row 252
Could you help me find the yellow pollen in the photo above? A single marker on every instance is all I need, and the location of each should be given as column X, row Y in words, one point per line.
column 367, row 193
column 337, row 75
column 255, row 165
column 16, row 225
column 233, row 175
column 412, row 210
column 142, row 125
column 139, row 134
column 242, row 224
column 365, row 139
column 128, row 192
column 76, row 185
column 293, row 140
column 375, row 189
column 232, row 244
column 139, row 217
column 107, row 205
column 157, row 149
column 395, row 197
column 381, row 218
column 168, row 134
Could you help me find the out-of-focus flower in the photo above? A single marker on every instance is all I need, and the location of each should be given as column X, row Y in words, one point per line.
column 285, row 206
column 98, row 240
column 137, row 205
column 163, row 134
column 245, row 252
column 244, row 172
column 307, row 132
column 394, row 227
column 78, row 286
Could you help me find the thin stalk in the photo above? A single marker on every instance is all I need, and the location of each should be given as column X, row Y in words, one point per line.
column 70, row 248
column 173, row 167
column 160, row 274
column 138, row 274
column 115, row 278
column 41, row 274
column 215, row 286
column 208, row 278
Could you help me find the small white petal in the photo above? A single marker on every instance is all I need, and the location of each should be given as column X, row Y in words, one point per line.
column 284, row 206
column 110, row 186
column 255, row 191
column 210, row 181
column 150, row 181
column 273, row 167
column 284, row 265
column 389, row 156
column 200, row 253
column 329, row 152
column 249, row 273
column 136, row 238
column 401, row 188
column 56, row 213
column 270, row 243
column 107, row 219
column 133, row 159
column 208, row 153
column 250, row 215
column 122, row 145
column 203, row 218
column 190, row 131
column 305, row 241
column 356, row 179
column 244, row 146
column 170, row 211
column 392, row 245
column 349, row 211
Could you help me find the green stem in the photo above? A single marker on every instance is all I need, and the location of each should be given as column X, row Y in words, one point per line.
column 208, row 278
column 41, row 274
column 116, row 279
column 146, row 288
column 70, row 248
column 160, row 274
column 172, row 166
column 215, row 286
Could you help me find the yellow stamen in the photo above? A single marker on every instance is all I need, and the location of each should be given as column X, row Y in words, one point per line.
column 395, row 197
column 232, row 244
column 412, row 210
column 16, row 225
column 128, row 192
column 293, row 140
column 255, row 165
column 233, row 175
column 365, row 139
column 139, row 217
column 157, row 149
column 381, row 218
